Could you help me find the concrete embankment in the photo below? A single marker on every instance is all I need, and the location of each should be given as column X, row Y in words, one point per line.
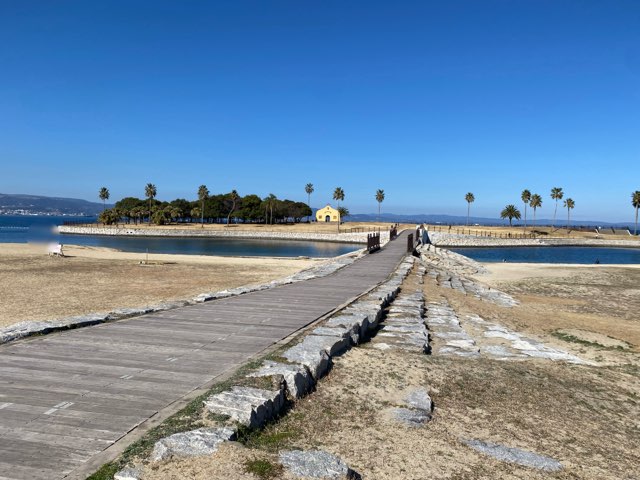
column 441, row 239
column 359, row 237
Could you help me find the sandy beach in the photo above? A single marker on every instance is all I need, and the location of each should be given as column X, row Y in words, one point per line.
column 35, row 286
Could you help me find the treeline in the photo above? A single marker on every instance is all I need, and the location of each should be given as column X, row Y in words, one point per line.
column 221, row 208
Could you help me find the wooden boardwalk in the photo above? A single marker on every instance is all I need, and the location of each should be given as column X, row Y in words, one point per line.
column 68, row 396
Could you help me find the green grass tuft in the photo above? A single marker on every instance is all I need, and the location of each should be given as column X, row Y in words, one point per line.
column 263, row 469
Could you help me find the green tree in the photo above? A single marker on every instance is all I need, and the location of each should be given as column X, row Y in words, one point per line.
column 195, row 212
column 233, row 201
column 535, row 203
column 203, row 194
column 309, row 189
column 103, row 194
column 344, row 212
column 556, row 194
column 108, row 216
column 569, row 204
column 251, row 208
column 269, row 204
column 526, row 198
column 379, row 199
column 137, row 213
column 470, row 198
column 183, row 206
column 510, row 212
column 150, row 193
column 338, row 195
column 635, row 201
column 161, row 216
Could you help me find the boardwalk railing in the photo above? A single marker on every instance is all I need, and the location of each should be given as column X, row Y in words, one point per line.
column 373, row 242
column 410, row 243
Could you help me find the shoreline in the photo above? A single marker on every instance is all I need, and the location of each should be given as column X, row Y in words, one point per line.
column 497, row 272
column 108, row 253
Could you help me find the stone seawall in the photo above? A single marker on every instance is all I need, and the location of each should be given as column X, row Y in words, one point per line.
column 441, row 239
column 161, row 232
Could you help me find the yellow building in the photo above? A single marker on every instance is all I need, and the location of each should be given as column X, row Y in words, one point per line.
column 327, row 214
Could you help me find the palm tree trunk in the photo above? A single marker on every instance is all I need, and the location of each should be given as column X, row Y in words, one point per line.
column 635, row 231
column 555, row 211
column 468, row 210
column 525, row 218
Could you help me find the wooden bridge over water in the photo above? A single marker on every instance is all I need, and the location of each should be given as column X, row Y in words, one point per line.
column 66, row 398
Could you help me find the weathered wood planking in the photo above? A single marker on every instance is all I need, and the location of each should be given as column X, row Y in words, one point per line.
column 68, row 396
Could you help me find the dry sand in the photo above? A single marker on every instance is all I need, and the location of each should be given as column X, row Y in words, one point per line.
column 35, row 286
column 602, row 299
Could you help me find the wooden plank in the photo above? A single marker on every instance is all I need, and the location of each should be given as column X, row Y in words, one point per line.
column 69, row 395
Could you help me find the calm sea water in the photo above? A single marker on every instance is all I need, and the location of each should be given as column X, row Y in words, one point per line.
column 23, row 229
column 583, row 255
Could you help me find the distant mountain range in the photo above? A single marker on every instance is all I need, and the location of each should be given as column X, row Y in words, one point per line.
column 39, row 205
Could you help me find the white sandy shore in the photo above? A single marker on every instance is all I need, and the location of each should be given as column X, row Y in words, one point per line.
column 517, row 271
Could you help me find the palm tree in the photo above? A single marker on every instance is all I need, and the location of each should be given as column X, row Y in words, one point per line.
column 556, row 194
column 234, row 198
column 175, row 213
column 271, row 201
column 635, row 201
column 510, row 212
column 137, row 213
column 379, row 199
column 203, row 194
column 526, row 198
column 469, row 197
column 338, row 195
column 535, row 203
column 150, row 192
column 195, row 212
column 103, row 194
column 569, row 204
column 344, row 212
column 309, row 189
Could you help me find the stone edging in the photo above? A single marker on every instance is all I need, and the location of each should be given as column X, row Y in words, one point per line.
column 441, row 239
column 145, row 232
column 31, row 327
column 308, row 361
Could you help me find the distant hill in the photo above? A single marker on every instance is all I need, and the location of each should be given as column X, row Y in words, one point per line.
column 39, row 205
column 462, row 220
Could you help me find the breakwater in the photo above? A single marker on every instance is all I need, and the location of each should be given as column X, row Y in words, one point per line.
column 441, row 239
column 356, row 237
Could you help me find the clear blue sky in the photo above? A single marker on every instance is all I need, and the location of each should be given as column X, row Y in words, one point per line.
column 427, row 100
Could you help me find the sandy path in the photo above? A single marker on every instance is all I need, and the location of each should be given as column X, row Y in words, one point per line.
column 35, row 286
